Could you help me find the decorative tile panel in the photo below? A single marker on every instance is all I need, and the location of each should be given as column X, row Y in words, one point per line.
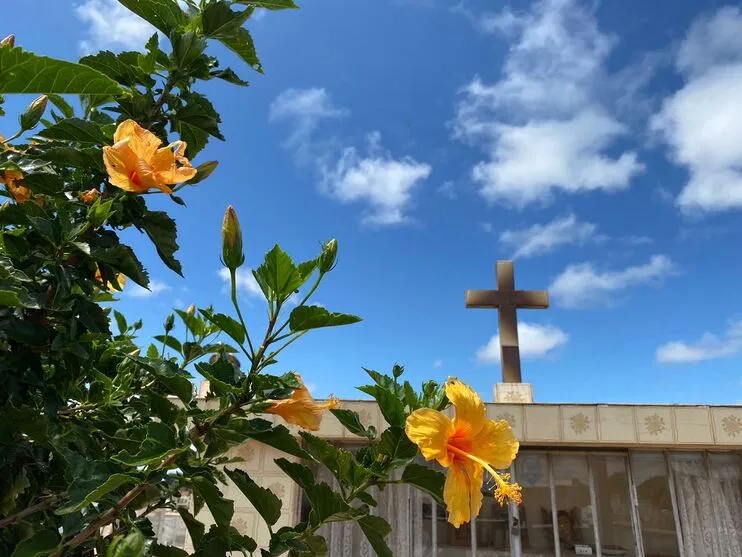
column 541, row 423
column 727, row 425
column 512, row 413
column 579, row 424
column 654, row 424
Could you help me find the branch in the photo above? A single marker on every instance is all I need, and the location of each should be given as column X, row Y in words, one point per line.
column 44, row 505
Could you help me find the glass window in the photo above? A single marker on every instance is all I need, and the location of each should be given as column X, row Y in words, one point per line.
column 613, row 505
column 574, row 509
column 536, row 527
column 654, row 500
column 493, row 525
column 726, row 489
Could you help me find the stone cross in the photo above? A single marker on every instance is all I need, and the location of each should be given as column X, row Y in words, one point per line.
column 506, row 299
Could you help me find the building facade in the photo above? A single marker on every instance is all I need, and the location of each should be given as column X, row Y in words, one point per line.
column 606, row 480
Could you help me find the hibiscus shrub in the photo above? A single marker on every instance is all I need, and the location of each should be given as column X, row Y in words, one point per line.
column 98, row 432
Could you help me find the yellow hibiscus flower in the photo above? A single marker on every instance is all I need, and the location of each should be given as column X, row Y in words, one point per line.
column 466, row 445
column 137, row 163
column 120, row 279
column 301, row 409
column 10, row 178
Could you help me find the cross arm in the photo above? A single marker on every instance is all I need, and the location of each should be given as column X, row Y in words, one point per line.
column 522, row 299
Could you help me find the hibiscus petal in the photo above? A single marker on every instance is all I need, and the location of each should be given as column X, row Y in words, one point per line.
column 120, row 161
column 470, row 411
column 430, row 430
column 495, row 444
column 143, row 142
column 176, row 175
column 462, row 492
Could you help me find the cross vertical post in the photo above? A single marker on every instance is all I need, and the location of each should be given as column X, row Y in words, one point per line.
column 507, row 300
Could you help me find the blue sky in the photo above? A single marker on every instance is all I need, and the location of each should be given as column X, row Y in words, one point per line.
column 600, row 144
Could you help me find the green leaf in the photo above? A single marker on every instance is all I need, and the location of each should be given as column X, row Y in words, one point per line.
column 112, row 483
column 221, row 376
column 221, row 509
column 25, row 72
column 116, row 68
column 157, row 445
column 425, row 478
column 240, row 42
column 196, row 120
column 40, row 544
column 167, row 551
column 264, row 500
column 280, row 438
column 44, row 183
column 75, row 129
column 304, row 318
column 391, row 407
column 270, row 4
column 120, row 321
column 195, row 527
column 62, row 105
column 166, row 15
column 130, row 546
column 163, row 233
column 171, row 376
column 170, row 341
column 395, row 445
column 338, row 461
column 230, row 326
column 122, row 258
column 376, row 530
column 277, row 276
column 350, row 420
column 301, row 474
column 219, row 20
column 229, row 76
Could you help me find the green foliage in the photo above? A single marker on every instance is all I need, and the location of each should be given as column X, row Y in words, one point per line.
column 96, row 431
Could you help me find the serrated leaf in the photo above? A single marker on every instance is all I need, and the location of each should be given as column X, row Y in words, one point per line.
column 166, row 15
column 219, row 20
column 170, row 342
column 338, row 461
column 228, row 75
column 114, row 67
column 427, row 479
column 62, row 105
column 76, row 129
column 280, row 438
column 240, row 42
column 395, row 445
column 391, row 407
column 351, row 420
column 221, row 508
column 264, row 500
column 40, row 544
column 376, row 530
column 195, row 527
column 171, row 376
column 156, row 446
column 277, row 276
column 44, row 183
column 26, row 72
column 227, row 324
column 112, row 483
column 163, row 233
column 122, row 258
column 304, row 318
column 270, row 4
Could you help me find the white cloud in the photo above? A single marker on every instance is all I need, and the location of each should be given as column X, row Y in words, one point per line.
column 543, row 124
column 304, row 109
column 382, row 181
column 438, row 364
column 111, row 25
column 245, row 281
column 448, row 189
column 536, row 341
column 708, row 347
column 581, row 284
column 155, row 288
column 544, row 238
column 702, row 122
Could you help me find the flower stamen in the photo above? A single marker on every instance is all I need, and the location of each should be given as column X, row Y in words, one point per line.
column 504, row 490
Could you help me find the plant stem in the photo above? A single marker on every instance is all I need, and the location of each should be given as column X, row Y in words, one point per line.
column 44, row 505
column 233, row 277
column 276, row 352
column 304, row 301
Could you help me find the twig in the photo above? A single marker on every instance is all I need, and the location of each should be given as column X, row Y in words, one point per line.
column 47, row 504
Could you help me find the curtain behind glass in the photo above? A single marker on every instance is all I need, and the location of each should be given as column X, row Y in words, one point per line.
column 400, row 505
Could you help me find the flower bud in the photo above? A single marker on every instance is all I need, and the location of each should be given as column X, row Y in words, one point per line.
column 34, row 112
column 170, row 323
column 232, row 255
column 203, row 171
column 8, row 41
column 328, row 256
column 191, row 310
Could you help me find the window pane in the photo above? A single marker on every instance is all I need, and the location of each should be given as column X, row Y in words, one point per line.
column 536, row 529
column 656, row 519
column 452, row 542
column 726, row 484
column 574, row 511
column 614, row 505
column 493, row 524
